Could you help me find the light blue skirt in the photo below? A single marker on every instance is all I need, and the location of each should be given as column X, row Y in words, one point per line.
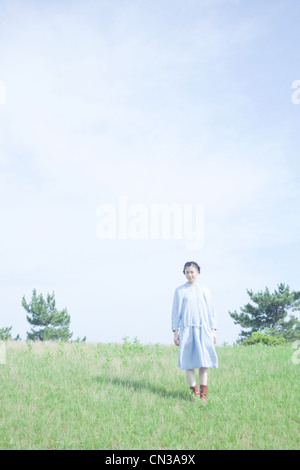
column 196, row 348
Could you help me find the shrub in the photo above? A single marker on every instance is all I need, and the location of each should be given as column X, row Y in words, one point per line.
column 263, row 338
column 5, row 333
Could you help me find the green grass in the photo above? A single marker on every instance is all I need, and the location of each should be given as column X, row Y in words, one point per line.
column 130, row 396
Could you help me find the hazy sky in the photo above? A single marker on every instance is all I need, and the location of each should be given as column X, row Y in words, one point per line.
column 176, row 102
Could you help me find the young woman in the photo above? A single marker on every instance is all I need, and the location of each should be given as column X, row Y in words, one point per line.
column 194, row 327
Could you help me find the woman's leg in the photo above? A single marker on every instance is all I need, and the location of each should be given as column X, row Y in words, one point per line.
column 190, row 375
column 203, row 383
column 203, row 373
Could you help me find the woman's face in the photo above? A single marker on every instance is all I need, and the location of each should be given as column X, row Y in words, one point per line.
column 191, row 274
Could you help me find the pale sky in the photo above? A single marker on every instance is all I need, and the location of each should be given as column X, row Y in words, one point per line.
column 186, row 102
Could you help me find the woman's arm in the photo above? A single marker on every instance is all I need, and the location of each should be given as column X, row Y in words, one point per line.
column 176, row 338
column 177, row 301
column 211, row 309
column 214, row 335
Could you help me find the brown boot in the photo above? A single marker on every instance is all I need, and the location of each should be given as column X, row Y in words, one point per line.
column 195, row 390
column 203, row 393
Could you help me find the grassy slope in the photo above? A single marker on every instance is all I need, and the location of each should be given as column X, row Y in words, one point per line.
column 129, row 396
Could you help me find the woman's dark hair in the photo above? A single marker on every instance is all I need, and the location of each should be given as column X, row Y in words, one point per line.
column 191, row 263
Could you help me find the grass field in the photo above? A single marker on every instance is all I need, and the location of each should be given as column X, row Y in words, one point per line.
column 133, row 396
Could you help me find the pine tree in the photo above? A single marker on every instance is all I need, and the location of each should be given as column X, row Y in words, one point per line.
column 270, row 312
column 47, row 322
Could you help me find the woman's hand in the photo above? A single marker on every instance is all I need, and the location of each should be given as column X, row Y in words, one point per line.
column 176, row 338
column 214, row 336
